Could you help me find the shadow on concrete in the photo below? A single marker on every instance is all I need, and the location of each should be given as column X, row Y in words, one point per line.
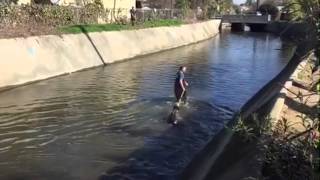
column 300, row 85
column 86, row 33
column 302, row 108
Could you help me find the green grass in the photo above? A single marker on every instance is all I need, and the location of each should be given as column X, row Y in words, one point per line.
column 74, row 29
column 163, row 22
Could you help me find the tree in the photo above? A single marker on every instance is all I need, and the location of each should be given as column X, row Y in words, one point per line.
column 307, row 10
column 237, row 9
column 210, row 7
column 226, row 6
column 269, row 7
column 183, row 4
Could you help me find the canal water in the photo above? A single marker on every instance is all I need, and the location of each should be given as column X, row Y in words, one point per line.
column 110, row 122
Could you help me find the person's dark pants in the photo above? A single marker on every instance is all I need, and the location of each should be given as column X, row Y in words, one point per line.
column 178, row 93
column 133, row 20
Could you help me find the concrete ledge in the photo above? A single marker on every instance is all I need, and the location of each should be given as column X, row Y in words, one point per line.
column 25, row 60
column 280, row 100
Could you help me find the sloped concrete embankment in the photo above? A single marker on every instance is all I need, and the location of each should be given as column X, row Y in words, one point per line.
column 227, row 156
column 284, row 92
column 25, row 60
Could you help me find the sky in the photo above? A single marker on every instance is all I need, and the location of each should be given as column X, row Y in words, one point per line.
column 239, row 1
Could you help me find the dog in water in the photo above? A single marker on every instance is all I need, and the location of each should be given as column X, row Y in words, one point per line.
column 173, row 115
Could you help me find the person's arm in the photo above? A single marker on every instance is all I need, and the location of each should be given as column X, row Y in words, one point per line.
column 181, row 81
column 182, row 84
column 186, row 83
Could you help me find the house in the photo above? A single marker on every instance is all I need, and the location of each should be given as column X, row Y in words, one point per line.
column 119, row 4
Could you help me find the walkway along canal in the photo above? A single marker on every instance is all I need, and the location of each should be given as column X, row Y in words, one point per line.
column 110, row 122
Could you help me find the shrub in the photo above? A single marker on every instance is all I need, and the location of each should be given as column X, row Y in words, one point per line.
column 39, row 15
column 269, row 9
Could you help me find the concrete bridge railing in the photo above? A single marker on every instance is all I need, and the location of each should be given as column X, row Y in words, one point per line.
column 246, row 19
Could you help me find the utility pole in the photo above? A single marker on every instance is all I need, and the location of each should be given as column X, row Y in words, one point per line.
column 171, row 9
column 258, row 3
column 113, row 17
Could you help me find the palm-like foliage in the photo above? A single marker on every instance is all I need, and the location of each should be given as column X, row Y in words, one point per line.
column 307, row 10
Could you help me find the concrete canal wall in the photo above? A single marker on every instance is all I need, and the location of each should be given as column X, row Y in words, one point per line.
column 280, row 99
column 24, row 60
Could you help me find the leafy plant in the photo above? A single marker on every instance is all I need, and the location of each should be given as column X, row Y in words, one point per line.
column 244, row 130
column 271, row 9
column 34, row 15
column 307, row 10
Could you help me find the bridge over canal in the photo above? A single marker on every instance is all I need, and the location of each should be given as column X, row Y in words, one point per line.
column 255, row 22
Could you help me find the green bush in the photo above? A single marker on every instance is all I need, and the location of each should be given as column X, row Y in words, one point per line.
column 271, row 9
column 12, row 16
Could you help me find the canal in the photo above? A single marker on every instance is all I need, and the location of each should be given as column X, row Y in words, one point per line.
column 111, row 121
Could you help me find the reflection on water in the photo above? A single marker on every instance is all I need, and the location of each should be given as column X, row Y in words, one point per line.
column 112, row 120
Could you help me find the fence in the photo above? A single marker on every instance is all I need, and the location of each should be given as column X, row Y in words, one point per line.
column 149, row 14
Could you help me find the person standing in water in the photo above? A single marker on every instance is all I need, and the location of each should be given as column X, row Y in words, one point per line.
column 180, row 85
column 180, row 93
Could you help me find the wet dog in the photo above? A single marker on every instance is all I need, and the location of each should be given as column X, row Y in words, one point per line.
column 172, row 119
